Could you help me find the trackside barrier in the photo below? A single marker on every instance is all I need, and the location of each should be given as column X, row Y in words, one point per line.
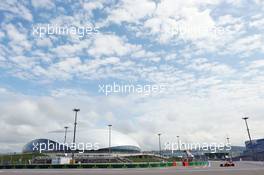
column 41, row 166
column 153, row 165
column 105, row 165
column 192, row 163
column 198, row 163
column 185, row 163
column 18, row 166
column 30, row 166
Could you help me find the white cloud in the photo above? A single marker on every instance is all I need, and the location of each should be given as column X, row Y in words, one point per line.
column 110, row 45
column 70, row 49
column 248, row 45
column 14, row 34
column 44, row 42
column 257, row 22
column 64, row 69
column 209, row 66
column 58, row 93
column 179, row 20
column 92, row 5
column 23, row 62
column 148, row 116
column 17, row 9
column 47, row 4
column 3, row 90
column 259, row 2
column 18, row 40
column 257, row 64
column 131, row 11
column 2, row 35
column 235, row 2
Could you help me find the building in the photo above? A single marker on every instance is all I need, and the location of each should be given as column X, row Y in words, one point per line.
column 236, row 151
column 254, row 151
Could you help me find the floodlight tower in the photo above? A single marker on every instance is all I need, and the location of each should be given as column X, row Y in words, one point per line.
column 75, row 110
column 65, row 135
column 159, row 135
column 249, row 136
column 228, row 142
column 109, row 140
column 178, row 139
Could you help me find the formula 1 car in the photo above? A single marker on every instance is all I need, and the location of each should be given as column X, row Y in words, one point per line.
column 227, row 164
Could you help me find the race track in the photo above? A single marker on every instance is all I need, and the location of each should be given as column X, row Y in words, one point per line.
column 242, row 168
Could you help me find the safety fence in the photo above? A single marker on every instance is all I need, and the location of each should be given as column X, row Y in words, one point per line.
column 105, row 165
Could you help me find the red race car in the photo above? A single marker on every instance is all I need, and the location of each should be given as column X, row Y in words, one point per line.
column 227, row 164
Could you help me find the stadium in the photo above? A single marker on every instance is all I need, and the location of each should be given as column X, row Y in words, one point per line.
column 90, row 141
column 90, row 146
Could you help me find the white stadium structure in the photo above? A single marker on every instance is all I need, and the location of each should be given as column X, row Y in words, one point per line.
column 87, row 141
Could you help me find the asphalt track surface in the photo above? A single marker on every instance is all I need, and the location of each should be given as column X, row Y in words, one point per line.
column 242, row 168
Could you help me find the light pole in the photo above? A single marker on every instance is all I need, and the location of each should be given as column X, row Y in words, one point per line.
column 65, row 134
column 159, row 134
column 65, row 138
column 228, row 142
column 109, row 140
column 250, row 140
column 76, row 110
column 178, row 139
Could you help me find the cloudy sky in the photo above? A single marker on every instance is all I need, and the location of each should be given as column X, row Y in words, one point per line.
column 209, row 54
